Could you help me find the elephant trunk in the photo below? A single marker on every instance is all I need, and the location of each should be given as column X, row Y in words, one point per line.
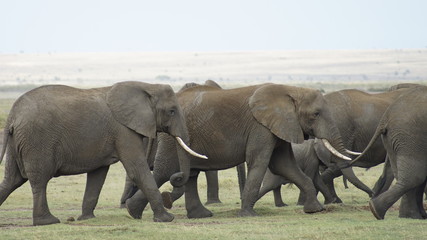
column 349, row 174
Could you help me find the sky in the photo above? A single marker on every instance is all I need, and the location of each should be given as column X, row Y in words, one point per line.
column 40, row 26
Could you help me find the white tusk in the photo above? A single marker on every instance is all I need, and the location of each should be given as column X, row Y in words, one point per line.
column 353, row 153
column 189, row 150
column 334, row 151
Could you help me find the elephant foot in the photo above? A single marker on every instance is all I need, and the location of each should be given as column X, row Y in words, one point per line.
column 45, row 220
column 300, row 203
column 163, row 217
column 212, row 201
column 281, row 204
column 85, row 216
column 313, row 207
column 123, row 205
column 167, row 200
column 379, row 214
column 134, row 209
column 200, row 212
column 247, row 213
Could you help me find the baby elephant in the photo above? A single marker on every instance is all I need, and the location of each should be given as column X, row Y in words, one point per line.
column 59, row 130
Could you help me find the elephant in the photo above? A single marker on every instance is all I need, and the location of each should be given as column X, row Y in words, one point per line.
column 356, row 114
column 253, row 124
column 57, row 130
column 309, row 162
column 403, row 132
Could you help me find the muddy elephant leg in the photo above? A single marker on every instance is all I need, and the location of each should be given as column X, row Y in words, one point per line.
column 283, row 163
column 407, row 180
column 411, row 204
column 95, row 181
column 328, row 177
column 213, row 187
column 194, row 206
column 11, row 181
column 143, row 178
column 129, row 190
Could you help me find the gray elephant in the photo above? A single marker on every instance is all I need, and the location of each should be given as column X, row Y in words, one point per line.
column 58, row 130
column 256, row 125
column 309, row 162
column 403, row 129
column 356, row 114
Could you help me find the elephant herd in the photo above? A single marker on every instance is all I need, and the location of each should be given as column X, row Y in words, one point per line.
column 282, row 134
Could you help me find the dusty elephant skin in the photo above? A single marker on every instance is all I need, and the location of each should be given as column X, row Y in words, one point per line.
column 256, row 125
column 59, row 130
column 356, row 114
column 403, row 129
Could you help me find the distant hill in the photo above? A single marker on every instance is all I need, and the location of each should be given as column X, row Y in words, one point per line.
column 325, row 69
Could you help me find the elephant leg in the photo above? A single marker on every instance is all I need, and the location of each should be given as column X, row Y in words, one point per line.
column 213, row 187
column 241, row 176
column 411, row 204
column 129, row 190
column 321, row 186
column 278, row 201
column 95, row 181
column 11, row 181
column 137, row 203
column 301, row 198
column 143, row 178
column 41, row 212
column 407, row 180
column 194, row 206
column 272, row 182
column 328, row 177
column 283, row 163
column 176, row 193
column 384, row 181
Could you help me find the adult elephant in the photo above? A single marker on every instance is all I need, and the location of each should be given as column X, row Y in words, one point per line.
column 58, row 130
column 403, row 131
column 356, row 114
column 253, row 124
column 309, row 162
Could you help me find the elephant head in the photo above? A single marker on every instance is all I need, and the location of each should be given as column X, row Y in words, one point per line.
column 131, row 102
column 293, row 114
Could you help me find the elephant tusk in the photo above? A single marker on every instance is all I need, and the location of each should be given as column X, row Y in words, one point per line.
column 352, row 153
column 334, row 151
column 189, row 150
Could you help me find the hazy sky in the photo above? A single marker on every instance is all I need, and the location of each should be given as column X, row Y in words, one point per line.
column 221, row 25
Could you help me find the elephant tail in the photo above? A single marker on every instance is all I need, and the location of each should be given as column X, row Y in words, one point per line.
column 381, row 129
column 7, row 132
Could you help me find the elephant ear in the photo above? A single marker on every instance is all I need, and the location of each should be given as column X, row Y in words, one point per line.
column 131, row 106
column 273, row 107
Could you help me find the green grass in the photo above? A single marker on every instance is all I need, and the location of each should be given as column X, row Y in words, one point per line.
column 351, row 220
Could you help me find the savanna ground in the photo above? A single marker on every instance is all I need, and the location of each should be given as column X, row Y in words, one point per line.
column 351, row 220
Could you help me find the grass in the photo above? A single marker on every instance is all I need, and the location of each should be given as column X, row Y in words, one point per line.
column 351, row 220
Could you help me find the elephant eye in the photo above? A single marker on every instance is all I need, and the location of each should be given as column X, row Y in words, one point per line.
column 171, row 112
column 316, row 114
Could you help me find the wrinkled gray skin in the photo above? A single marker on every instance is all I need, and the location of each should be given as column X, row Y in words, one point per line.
column 256, row 125
column 356, row 114
column 403, row 129
column 309, row 162
column 58, row 130
column 164, row 170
